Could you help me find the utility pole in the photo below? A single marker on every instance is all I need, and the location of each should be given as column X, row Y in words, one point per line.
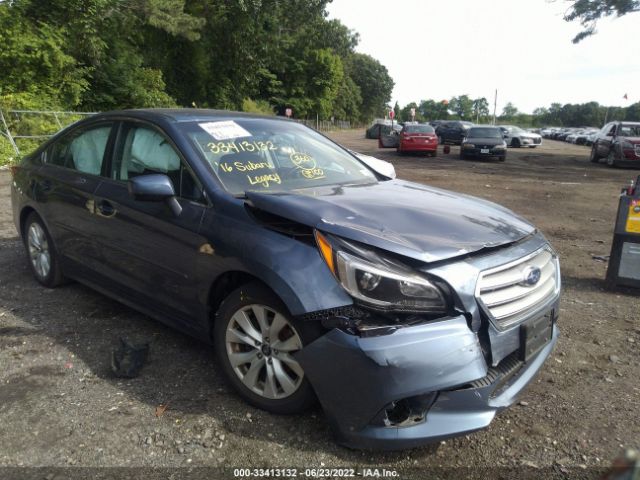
column 495, row 105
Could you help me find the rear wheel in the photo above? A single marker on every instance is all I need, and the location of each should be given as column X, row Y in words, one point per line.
column 255, row 339
column 594, row 157
column 41, row 252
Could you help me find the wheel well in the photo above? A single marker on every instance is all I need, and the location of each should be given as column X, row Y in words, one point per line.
column 224, row 285
column 23, row 217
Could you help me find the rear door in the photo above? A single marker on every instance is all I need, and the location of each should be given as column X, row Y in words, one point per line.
column 149, row 252
column 64, row 188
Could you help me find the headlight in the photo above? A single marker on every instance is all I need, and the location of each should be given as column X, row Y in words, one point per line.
column 379, row 282
column 468, row 145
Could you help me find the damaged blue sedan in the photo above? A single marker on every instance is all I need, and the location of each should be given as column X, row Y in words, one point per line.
column 411, row 314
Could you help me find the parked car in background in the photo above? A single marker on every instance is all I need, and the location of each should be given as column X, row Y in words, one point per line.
column 484, row 141
column 591, row 137
column 452, row 131
column 617, row 142
column 382, row 127
column 412, row 314
column 517, row 137
column 418, row 138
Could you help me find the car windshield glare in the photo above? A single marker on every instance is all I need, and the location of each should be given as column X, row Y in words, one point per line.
column 418, row 129
column 272, row 156
column 484, row 133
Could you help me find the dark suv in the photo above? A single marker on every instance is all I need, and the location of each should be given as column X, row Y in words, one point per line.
column 453, row 131
column 618, row 142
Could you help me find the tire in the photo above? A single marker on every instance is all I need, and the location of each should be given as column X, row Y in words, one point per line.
column 41, row 252
column 611, row 158
column 289, row 390
column 594, row 157
column 462, row 155
column 502, row 158
column 515, row 142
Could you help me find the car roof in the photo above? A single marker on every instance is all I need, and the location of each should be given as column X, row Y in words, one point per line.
column 187, row 114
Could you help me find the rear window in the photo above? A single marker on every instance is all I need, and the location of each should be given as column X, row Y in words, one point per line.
column 418, row 129
column 629, row 130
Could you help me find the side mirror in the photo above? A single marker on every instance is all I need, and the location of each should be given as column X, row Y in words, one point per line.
column 155, row 187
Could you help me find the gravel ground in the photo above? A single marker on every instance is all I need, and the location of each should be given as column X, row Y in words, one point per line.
column 62, row 410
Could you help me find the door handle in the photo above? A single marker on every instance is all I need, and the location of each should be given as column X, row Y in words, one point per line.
column 105, row 209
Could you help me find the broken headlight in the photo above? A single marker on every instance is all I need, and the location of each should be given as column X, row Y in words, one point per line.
column 378, row 281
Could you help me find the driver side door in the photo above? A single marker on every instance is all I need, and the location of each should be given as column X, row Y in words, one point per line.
column 150, row 253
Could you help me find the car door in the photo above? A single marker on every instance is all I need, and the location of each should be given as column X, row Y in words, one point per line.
column 64, row 188
column 150, row 253
column 606, row 139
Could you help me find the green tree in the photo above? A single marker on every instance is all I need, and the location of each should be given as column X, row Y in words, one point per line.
column 375, row 85
column 480, row 109
column 509, row 111
column 432, row 110
column 588, row 12
column 462, row 106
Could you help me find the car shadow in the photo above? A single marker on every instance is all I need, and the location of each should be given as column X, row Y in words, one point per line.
column 180, row 371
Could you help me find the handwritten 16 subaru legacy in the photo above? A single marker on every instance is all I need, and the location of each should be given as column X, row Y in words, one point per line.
column 412, row 314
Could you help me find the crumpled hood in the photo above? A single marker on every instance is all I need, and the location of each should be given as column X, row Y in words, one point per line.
column 410, row 219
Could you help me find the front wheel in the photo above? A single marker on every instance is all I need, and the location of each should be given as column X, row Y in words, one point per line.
column 41, row 252
column 593, row 157
column 611, row 158
column 515, row 143
column 255, row 340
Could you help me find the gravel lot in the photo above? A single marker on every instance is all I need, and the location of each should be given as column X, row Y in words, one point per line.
column 60, row 407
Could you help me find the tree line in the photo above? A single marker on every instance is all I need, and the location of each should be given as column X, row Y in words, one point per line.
column 478, row 110
column 253, row 55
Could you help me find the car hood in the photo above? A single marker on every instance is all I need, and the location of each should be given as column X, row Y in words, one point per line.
column 409, row 219
column 485, row 141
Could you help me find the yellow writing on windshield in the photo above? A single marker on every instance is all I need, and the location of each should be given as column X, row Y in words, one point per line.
column 307, row 165
column 244, row 146
column 265, row 180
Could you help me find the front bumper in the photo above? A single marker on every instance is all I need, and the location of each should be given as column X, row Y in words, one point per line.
column 477, row 152
column 357, row 378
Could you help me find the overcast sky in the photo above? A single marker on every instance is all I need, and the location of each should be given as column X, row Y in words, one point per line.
column 439, row 49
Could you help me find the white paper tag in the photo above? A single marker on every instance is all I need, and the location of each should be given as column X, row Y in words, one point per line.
column 224, row 130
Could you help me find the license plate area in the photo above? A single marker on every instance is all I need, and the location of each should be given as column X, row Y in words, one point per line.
column 484, row 150
column 534, row 335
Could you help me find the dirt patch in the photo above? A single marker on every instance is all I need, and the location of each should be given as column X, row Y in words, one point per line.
column 60, row 406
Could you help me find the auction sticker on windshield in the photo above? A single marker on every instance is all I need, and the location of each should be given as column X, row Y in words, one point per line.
column 224, row 130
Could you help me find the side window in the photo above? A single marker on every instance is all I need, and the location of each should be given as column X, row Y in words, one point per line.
column 82, row 150
column 612, row 132
column 143, row 151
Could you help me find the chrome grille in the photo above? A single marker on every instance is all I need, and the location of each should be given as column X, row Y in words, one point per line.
column 537, row 141
column 505, row 295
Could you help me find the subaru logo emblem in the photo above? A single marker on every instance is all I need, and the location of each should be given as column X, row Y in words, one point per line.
column 531, row 275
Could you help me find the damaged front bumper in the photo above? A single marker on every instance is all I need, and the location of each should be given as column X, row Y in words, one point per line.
column 418, row 385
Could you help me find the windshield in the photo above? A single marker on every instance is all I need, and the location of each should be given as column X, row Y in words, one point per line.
column 418, row 129
column 629, row 130
column 256, row 154
column 487, row 132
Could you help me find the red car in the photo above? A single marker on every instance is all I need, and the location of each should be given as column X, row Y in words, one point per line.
column 619, row 143
column 418, row 138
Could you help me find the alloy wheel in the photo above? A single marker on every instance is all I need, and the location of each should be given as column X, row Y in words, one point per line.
column 259, row 345
column 39, row 250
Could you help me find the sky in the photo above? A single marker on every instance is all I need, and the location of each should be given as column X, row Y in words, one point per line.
column 522, row 48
